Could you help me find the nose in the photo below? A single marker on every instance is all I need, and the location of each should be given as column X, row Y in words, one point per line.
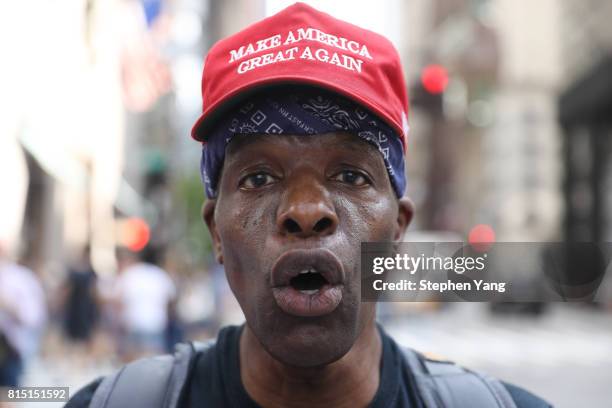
column 306, row 211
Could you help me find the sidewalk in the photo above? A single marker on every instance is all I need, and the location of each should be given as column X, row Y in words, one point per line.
column 565, row 356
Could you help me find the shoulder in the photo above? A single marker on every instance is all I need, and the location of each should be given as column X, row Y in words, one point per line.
column 523, row 398
column 83, row 397
column 145, row 382
column 452, row 383
column 21, row 274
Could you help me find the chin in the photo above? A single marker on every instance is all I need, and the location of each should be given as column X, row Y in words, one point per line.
column 312, row 341
column 311, row 345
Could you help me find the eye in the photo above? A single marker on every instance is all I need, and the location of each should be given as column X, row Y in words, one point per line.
column 354, row 178
column 256, row 180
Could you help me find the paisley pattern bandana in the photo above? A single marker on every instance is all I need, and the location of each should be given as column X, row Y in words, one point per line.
column 302, row 112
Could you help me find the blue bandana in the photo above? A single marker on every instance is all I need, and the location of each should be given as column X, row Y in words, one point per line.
column 305, row 112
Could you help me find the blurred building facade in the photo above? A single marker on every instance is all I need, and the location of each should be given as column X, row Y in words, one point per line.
column 490, row 144
column 98, row 132
column 102, row 134
column 586, row 116
column 64, row 124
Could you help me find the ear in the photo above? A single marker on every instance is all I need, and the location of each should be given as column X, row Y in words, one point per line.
column 405, row 212
column 208, row 215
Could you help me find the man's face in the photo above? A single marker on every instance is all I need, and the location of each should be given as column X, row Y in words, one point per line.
column 288, row 223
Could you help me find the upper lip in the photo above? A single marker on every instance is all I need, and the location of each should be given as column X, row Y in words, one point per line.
column 292, row 262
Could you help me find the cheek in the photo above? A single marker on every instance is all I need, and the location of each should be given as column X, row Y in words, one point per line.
column 242, row 228
column 374, row 219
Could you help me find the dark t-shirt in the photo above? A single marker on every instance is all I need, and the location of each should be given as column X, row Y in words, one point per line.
column 215, row 380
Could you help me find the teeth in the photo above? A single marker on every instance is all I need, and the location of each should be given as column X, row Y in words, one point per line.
column 310, row 270
column 309, row 292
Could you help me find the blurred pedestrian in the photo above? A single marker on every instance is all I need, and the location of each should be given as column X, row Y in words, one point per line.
column 80, row 308
column 144, row 295
column 22, row 317
column 80, row 303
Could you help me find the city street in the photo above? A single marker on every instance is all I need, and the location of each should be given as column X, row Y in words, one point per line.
column 136, row 212
column 564, row 356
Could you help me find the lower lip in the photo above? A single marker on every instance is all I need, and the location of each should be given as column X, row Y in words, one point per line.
column 296, row 303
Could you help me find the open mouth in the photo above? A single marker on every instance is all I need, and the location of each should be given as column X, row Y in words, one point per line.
column 307, row 283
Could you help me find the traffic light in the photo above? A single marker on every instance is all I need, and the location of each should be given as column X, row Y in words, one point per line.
column 134, row 233
column 434, row 79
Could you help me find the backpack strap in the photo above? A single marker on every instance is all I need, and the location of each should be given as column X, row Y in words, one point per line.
column 443, row 384
column 155, row 382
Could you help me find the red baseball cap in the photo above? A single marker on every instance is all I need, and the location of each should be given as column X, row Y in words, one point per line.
column 301, row 45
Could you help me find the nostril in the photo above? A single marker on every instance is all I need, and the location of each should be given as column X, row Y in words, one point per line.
column 322, row 224
column 291, row 226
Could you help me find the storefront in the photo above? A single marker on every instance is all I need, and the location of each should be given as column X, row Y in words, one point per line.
column 585, row 113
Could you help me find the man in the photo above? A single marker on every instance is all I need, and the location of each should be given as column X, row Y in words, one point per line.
column 304, row 129
column 79, row 302
column 144, row 296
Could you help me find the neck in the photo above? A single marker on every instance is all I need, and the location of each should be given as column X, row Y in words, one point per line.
column 351, row 381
